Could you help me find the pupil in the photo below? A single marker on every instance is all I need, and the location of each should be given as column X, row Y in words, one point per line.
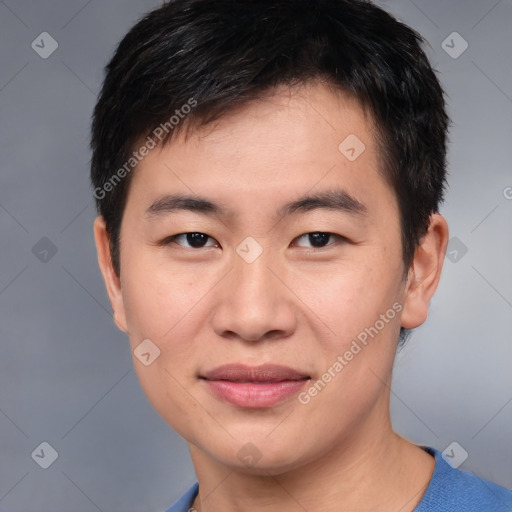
column 318, row 239
column 196, row 239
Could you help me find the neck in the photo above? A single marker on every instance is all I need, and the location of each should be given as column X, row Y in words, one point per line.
column 372, row 469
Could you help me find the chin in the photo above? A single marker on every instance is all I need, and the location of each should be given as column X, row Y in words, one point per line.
column 260, row 458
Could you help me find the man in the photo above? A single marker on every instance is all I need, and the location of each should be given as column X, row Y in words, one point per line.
column 268, row 178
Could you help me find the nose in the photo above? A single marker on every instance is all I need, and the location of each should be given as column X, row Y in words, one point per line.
column 253, row 304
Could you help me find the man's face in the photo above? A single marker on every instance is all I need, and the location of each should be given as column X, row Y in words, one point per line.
column 256, row 289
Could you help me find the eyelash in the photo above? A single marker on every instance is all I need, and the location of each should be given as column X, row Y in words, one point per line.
column 172, row 239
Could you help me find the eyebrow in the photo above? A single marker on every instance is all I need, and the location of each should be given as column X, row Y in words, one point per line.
column 337, row 199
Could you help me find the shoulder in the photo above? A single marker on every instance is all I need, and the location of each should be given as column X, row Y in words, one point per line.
column 184, row 503
column 454, row 490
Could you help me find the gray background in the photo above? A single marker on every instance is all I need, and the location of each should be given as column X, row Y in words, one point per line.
column 66, row 374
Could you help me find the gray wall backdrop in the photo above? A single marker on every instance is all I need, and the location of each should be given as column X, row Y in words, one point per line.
column 66, row 374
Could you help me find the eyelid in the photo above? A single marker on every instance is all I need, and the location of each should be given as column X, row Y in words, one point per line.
column 171, row 239
column 337, row 239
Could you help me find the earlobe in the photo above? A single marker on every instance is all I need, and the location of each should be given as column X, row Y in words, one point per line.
column 112, row 280
column 425, row 273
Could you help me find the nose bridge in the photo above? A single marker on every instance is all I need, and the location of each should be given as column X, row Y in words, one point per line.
column 252, row 282
column 254, row 302
column 251, row 262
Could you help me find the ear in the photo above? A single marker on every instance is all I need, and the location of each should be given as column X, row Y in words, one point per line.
column 425, row 272
column 112, row 280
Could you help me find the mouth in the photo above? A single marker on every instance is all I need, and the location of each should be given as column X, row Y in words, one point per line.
column 254, row 387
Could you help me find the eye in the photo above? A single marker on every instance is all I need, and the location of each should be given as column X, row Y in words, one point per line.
column 317, row 239
column 194, row 240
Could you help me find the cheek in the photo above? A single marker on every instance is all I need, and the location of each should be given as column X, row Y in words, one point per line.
column 356, row 361
column 164, row 306
column 350, row 302
column 169, row 308
column 157, row 300
column 361, row 311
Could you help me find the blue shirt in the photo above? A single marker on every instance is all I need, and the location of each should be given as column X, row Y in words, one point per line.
column 449, row 490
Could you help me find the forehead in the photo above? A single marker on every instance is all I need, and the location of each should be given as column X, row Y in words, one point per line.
column 292, row 141
column 305, row 119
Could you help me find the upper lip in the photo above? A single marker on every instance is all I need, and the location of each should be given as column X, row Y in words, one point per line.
column 262, row 373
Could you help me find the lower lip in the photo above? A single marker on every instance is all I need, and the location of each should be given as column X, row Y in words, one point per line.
column 254, row 395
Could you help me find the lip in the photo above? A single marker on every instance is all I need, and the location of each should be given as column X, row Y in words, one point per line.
column 254, row 387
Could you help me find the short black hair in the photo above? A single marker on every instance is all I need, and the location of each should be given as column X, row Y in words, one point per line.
column 187, row 63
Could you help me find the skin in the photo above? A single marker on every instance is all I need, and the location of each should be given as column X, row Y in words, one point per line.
column 294, row 305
